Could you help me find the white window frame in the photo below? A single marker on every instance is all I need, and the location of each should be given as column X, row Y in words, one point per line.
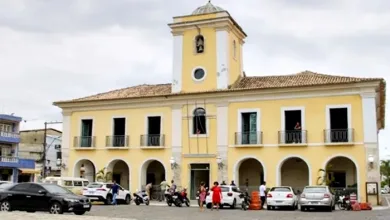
column 258, row 119
column 327, row 120
column 193, row 74
column 161, row 123
column 283, row 121
column 93, row 128
column 191, row 120
column 113, row 127
column 194, row 44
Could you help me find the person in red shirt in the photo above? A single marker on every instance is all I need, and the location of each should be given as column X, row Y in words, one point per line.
column 217, row 195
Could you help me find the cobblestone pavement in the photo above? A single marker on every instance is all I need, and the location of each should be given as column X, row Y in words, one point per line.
column 174, row 213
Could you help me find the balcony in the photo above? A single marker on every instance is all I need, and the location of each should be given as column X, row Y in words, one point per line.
column 248, row 139
column 9, row 137
column 152, row 141
column 292, row 138
column 84, row 142
column 117, row 141
column 10, row 161
column 339, row 136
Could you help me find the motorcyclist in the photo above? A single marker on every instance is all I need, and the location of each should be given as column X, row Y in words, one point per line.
column 172, row 188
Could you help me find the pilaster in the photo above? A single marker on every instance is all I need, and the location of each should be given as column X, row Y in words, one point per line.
column 222, row 139
column 65, row 145
column 177, row 142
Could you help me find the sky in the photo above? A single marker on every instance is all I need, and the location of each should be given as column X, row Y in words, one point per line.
column 59, row 50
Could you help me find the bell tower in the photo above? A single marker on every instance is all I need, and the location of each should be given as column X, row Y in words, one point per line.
column 207, row 50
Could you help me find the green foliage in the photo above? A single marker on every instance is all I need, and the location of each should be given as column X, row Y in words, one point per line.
column 324, row 177
column 103, row 176
column 385, row 170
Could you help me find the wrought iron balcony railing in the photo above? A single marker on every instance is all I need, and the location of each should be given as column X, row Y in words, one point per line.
column 339, row 135
column 292, row 137
column 9, row 159
column 117, row 141
column 8, row 134
column 84, row 141
column 156, row 140
column 249, row 138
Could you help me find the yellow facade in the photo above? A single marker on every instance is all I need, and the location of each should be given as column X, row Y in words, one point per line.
column 181, row 149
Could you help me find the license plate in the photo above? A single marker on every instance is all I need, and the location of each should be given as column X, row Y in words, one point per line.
column 175, row 197
column 86, row 206
column 314, row 203
column 91, row 192
column 278, row 201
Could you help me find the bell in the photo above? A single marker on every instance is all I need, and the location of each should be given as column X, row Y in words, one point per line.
column 200, row 48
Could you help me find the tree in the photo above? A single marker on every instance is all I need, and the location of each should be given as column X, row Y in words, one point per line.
column 103, row 176
column 324, row 177
column 385, row 170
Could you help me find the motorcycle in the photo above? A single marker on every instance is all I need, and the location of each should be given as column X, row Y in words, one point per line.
column 344, row 203
column 183, row 197
column 173, row 198
column 141, row 198
column 246, row 200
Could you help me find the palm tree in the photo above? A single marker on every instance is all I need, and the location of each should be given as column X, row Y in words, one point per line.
column 324, row 177
column 385, row 170
column 103, row 176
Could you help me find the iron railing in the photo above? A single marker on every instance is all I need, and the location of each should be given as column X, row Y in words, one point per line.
column 84, row 141
column 152, row 140
column 292, row 137
column 339, row 135
column 248, row 138
column 117, row 141
column 9, row 134
column 9, row 159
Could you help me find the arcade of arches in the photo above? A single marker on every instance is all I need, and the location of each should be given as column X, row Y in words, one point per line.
column 152, row 171
column 85, row 169
column 294, row 172
column 120, row 172
column 343, row 172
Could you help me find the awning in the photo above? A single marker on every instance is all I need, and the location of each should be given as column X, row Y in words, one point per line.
column 30, row 171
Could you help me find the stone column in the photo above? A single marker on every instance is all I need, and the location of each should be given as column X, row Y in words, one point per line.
column 176, row 134
column 371, row 138
column 222, row 139
column 66, row 170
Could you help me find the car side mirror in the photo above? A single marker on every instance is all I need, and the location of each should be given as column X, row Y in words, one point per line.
column 42, row 192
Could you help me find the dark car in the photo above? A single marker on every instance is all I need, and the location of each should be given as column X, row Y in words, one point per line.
column 32, row 197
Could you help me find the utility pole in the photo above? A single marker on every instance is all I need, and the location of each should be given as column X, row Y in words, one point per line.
column 44, row 146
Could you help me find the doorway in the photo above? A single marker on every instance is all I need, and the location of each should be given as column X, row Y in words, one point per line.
column 117, row 178
column 199, row 173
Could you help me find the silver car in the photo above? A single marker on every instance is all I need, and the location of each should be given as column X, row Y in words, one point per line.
column 317, row 197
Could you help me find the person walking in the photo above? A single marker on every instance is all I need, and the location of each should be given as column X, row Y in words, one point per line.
column 147, row 189
column 217, row 195
column 115, row 189
column 163, row 188
column 263, row 195
column 202, row 195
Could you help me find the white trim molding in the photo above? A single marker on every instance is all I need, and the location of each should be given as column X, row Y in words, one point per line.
column 113, row 130
column 356, row 166
column 193, row 74
column 110, row 167
column 154, row 115
column 66, row 142
column 79, row 134
column 370, row 126
column 177, row 63
column 236, row 168
column 258, row 121
column 191, row 121
column 283, row 123
column 144, row 168
column 327, row 121
column 282, row 161
column 80, row 160
column 222, row 49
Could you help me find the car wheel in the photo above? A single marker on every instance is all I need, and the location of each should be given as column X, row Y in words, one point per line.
column 79, row 212
column 5, row 206
column 108, row 200
column 208, row 205
column 330, row 208
column 233, row 206
column 56, row 208
column 128, row 200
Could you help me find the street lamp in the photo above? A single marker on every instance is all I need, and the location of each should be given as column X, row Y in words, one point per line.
column 59, row 162
column 219, row 162
column 371, row 160
column 173, row 163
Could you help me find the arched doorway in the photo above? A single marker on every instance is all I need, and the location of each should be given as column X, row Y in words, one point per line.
column 251, row 174
column 294, row 172
column 342, row 173
column 153, row 171
column 85, row 168
column 120, row 172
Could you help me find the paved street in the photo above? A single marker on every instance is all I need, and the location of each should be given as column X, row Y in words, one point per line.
column 173, row 213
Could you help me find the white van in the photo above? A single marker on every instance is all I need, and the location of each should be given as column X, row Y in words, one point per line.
column 74, row 184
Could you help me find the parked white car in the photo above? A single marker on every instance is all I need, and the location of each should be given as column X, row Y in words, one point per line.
column 317, row 197
column 102, row 192
column 230, row 197
column 282, row 196
column 1, row 182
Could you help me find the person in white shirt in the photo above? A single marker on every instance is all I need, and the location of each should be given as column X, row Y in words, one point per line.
column 263, row 195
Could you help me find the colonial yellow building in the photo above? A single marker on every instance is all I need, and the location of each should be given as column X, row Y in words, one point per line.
column 215, row 123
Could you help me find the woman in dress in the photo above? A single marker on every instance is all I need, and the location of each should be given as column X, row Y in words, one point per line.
column 217, row 195
column 202, row 195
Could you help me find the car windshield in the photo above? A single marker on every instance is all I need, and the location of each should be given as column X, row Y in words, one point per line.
column 225, row 189
column 5, row 186
column 315, row 190
column 56, row 189
column 95, row 185
column 280, row 189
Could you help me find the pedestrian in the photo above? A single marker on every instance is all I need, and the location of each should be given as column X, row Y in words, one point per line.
column 263, row 195
column 163, row 187
column 223, row 183
column 173, row 187
column 115, row 189
column 202, row 195
column 232, row 183
column 217, row 195
column 147, row 189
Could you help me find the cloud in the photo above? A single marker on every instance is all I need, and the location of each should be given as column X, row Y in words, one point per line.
column 56, row 50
